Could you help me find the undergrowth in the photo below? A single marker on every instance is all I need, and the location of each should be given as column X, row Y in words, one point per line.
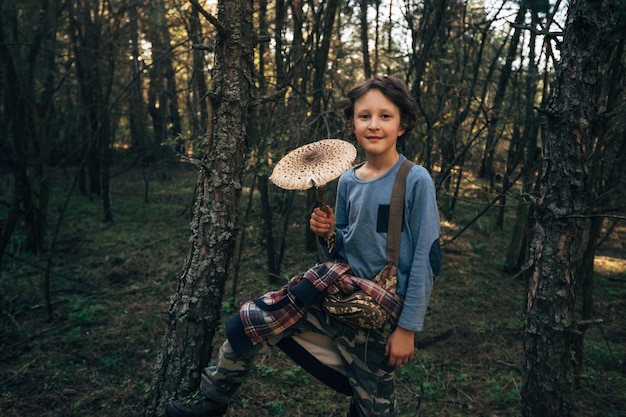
column 110, row 286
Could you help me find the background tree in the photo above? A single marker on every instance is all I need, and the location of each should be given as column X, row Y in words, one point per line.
column 136, row 104
column 162, row 92
column 609, row 153
column 493, row 122
column 93, row 47
column 365, row 38
column 198, row 102
column 30, row 81
column 536, row 86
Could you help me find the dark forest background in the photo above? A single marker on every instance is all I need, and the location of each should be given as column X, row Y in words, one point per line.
column 128, row 126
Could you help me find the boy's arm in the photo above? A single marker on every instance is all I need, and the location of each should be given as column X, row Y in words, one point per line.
column 322, row 222
column 424, row 225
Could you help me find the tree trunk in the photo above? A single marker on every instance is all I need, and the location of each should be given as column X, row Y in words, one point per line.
column 136, row 111
column 105, row 166
column 199, row 84
column 28, row 90
column 486, row 168
column 427, row 38
column 517, row 253
column 365, row 38
column 551, row 332
column 163, row 100
column 273, row 270
column 95, row 74
column 194, row 311
column 320, row 63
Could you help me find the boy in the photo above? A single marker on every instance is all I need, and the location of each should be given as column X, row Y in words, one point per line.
column 378, row 112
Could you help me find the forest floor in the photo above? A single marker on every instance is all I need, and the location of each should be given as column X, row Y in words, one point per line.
column 110, row 286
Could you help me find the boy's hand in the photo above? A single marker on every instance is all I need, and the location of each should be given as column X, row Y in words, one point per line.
column 322, row 223
column 400, row 347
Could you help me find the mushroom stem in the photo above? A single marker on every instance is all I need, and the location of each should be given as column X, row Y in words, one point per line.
column 329, row 237
column 321, row 199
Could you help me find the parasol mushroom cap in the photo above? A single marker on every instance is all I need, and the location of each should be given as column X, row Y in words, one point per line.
column 314, row 165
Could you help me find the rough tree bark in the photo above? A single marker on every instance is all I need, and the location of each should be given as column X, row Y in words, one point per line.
column 194, row 311
column 558, row 242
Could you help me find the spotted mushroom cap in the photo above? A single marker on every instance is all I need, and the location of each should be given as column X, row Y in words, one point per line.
column 314, row 164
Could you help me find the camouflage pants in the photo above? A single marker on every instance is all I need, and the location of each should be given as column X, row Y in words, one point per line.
column 358, row 353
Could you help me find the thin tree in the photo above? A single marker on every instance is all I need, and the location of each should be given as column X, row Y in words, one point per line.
column 136, row 105
column 29, row 72
column 162, row 97
column 194, row 312
column 486, row 168
column 365, row 38
column 551, row 331
column 94, row 29
column 199, row 111
column 321, row 51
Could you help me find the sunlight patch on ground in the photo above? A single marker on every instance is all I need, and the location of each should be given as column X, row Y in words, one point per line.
column 448, row 224
column 608, row 265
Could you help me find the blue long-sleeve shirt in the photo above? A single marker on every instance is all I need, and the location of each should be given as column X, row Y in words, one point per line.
column 361, row 222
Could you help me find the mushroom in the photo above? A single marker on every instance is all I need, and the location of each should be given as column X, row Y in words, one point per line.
column 315, row 165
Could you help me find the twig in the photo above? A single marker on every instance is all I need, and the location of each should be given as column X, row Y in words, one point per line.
column 6, row 381
column 41, row 268
column 485, row 210
column 34, row 336
column 588, row 216
column 17, row 325
column 208, row 16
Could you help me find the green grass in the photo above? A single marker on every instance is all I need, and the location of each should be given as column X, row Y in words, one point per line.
column 111, row 284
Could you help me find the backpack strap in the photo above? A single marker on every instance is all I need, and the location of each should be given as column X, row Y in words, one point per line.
column 396, row 211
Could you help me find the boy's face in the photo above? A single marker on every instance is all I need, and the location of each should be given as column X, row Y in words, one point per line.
column 377, row 123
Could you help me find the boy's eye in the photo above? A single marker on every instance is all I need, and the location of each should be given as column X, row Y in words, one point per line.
column 364, row 116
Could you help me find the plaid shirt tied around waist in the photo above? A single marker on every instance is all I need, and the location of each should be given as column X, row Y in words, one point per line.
column 276, row 311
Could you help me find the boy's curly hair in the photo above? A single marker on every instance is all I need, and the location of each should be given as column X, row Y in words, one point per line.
column 393, row 88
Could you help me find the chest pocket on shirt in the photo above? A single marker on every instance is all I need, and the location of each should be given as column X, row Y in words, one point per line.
column 382, row 220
